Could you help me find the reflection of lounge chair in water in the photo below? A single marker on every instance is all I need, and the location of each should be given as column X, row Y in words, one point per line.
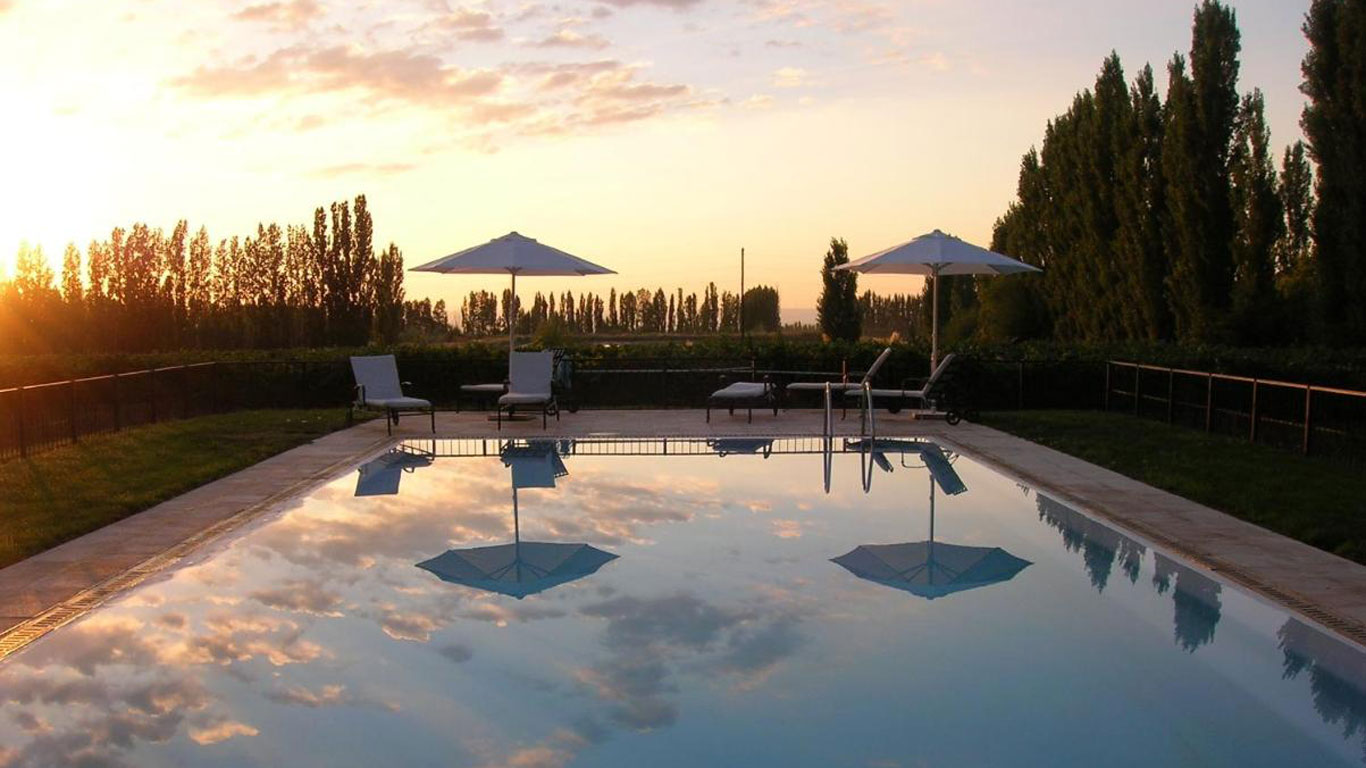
column 726, row 446
column 534, row 465
column 381, row 476
column 938, row 463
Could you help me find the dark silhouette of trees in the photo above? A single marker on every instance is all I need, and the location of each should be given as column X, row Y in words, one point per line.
column 1168, row 220
column 1334, row 123
column 837, row 310
column 143, row 289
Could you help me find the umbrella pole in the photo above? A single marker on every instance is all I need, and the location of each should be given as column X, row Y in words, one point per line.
column 930, row 559
column 512, row 316
column 516, row 534
column 934, row 322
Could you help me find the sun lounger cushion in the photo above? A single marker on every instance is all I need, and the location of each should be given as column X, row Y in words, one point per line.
column 489, row 388
column 399, row 403
column 513, row 398
column 817, row 386
column 741, row 390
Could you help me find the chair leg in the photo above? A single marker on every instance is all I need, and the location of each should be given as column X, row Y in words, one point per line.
column 750, row 412
column 708, row 412
column 500, row 418
column 433, row 420
column 543, row 412
column 389, row 423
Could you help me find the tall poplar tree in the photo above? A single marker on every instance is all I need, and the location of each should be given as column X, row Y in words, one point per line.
column 1334, row 123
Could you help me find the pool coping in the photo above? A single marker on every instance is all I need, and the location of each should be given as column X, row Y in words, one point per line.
column 53, row 588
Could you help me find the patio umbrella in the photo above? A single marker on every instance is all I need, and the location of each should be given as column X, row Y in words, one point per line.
column 521, row 568
column 516, row 255
column 932, row 569
column 937, row 254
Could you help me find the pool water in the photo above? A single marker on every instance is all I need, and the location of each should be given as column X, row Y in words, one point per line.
column 679, row 603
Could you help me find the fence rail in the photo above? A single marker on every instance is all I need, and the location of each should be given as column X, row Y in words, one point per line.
column 1306, row 418
column 39, row 417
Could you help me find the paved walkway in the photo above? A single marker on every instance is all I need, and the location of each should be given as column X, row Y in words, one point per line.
column 50, row 589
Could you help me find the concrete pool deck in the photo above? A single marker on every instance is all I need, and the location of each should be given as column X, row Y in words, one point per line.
column 52, row 588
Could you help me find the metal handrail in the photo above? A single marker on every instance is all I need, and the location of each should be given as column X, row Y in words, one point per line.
column 829, row 434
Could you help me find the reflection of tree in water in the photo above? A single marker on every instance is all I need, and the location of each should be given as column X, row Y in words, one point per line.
column 1196, row 596
column 1337, row 675
column 1099, row 545
column 1198, row 606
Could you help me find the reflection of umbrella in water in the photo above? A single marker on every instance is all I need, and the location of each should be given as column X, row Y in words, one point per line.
column 928, row 568
column 521, row 568
column 381, row 476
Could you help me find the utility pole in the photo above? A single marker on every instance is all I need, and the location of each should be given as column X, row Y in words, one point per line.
column 742, row 293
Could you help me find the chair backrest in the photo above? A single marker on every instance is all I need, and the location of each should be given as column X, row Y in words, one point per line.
column 938, row 372
column 529, row 372
column 872, row 369
column 379, row 375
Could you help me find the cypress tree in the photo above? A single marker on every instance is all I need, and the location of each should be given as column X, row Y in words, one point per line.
column 837, row 310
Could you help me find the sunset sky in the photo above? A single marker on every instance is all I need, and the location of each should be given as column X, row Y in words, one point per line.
column 656, row 137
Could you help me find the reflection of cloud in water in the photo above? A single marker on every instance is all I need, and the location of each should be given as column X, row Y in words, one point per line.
column 1337, row 675
column 646, row 638
column 1099, row 544
column 1196, row 600
column 223, row 731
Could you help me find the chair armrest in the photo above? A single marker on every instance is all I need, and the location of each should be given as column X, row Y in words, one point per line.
column 359, row 393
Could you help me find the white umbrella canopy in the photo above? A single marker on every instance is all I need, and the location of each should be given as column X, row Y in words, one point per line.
column 937, row 254
column 514, row 254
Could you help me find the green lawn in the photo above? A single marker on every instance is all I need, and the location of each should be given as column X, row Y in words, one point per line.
column 58, row 495
column 1317, row 501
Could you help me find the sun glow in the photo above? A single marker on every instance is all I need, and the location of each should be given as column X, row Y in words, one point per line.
column 58, row 173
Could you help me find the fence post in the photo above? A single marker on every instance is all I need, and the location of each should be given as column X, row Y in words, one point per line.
column 23, row 442
column 1171, row 395
column 184, row 391
column 1138, row 378
column 71, row 408
column 118, row 404
column 1209, row 402
column 1308, row 415
column 1019, row 386
column 1107, row 386
column 1252, row 429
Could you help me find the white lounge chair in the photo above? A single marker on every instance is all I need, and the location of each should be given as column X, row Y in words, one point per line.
column 744, row 394
column 838, row 387
column 378, row 387
column 926, row 393
column 529, row 376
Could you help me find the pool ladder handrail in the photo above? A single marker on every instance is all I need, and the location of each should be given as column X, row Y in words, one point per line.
column 867, row 431
column 828, row 432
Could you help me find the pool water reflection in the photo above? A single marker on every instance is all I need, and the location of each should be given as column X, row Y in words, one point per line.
column 713, row 628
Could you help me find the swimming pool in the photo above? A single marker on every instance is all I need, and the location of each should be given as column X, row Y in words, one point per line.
column 682, row 603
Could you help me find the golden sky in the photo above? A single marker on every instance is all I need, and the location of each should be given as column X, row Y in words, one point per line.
column 655, row 137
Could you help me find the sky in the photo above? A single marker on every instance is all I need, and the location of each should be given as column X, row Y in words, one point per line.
column 655, row 137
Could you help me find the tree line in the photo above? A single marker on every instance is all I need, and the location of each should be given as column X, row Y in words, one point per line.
column 484, row 313
column 1169, row 218
column 145, row 289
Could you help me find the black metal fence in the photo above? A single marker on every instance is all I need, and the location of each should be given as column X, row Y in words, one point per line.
column 1302, row 417
column 37, row 418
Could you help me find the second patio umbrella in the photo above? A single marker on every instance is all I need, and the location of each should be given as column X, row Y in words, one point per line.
column 515, row 255
column 934, row 255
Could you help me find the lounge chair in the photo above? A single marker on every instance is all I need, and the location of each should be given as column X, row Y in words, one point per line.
column 378, row 387
column 529, row 385
column 838, row 387
column 744, row 394
column 926, row 394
